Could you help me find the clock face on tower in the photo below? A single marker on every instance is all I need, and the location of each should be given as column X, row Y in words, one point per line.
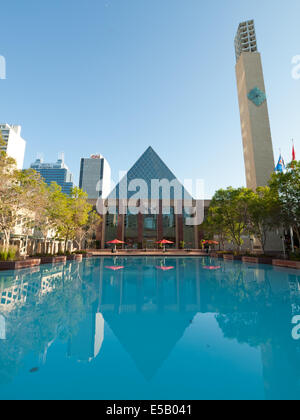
column 257, row 96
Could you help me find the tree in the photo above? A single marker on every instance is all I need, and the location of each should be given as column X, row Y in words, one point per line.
column 263, row 214
column 287, row 188
column 214, row 225
column 21, row 196
column 86, row 231
column 230, row 210
column 71, row 214
column 8, row 195
column 26, row 200
column 55, row 210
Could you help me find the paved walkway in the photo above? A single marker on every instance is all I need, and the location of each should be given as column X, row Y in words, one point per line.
column 149, row 253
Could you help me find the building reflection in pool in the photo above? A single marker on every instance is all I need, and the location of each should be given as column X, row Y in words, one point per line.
column 139, row 303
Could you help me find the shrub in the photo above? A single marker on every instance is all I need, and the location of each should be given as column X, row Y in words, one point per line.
column 41, row 255
column 63, row 254
column 9, row 254
column 295, row 257
column 3, row 255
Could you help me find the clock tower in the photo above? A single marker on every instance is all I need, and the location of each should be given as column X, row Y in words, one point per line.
column 256, row 132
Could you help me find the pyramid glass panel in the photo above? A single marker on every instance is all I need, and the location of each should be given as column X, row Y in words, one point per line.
column 149, row 168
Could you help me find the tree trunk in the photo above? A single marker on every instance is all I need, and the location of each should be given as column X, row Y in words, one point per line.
column 6, row 239
column 298, row 234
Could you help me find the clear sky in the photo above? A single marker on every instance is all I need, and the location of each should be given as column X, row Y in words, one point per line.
column 115, row 76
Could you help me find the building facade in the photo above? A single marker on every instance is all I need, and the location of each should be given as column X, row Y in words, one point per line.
column 256, row 132
column 55, row 172
column 13, row 144
column 140, row 216
column 95, row 175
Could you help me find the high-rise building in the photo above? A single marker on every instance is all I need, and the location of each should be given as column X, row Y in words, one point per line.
column 14, row 145
column 256, row 132
column 95, row 175
column 55, row 172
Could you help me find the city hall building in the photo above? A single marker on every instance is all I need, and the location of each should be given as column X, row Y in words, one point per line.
column 148, row 205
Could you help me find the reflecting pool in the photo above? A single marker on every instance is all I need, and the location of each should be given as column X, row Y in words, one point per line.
column 150, row 328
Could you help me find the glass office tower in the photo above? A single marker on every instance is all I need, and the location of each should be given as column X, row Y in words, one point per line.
column 55, row 172
column 95, row 177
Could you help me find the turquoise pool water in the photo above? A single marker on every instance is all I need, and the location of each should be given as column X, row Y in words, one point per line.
column 150, row 328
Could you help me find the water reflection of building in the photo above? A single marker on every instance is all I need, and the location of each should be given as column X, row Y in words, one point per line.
column 2, row 328
column 28, row 285
column 152, row 290
column 87, row 343
column 274, row 294
column 149, row 310
column 280, row 352
column 51, row 300
column 254, row 305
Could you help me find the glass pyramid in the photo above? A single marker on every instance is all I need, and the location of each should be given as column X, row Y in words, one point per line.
column 149, row 167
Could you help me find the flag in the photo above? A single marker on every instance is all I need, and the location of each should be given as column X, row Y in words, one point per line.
column 294, row 154
column 293, row 157
column 280, row 165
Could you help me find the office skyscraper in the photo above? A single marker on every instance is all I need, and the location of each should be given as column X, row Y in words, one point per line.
column 95, row 176
column 55, row 172
column 14, row 145
column 256, row 132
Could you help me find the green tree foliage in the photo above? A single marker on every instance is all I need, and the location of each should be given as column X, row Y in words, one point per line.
column 287, row 188
column 237, row 212
column 85, row 232
column 263, row 213
column 229, row 214
column 214, row 225
column 22, row 197
column 26, row 200
column 72, row 213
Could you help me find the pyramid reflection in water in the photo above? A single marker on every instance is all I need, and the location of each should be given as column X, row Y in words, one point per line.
column 149, row 312
column 141, row 312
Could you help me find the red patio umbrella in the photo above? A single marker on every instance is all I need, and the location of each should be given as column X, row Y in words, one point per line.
column 115, row 268
column 165, row 268
column 211, row 242
column 165, row 242
column 116, row 242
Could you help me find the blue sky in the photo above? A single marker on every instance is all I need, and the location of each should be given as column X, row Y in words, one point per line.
column 115, row 76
